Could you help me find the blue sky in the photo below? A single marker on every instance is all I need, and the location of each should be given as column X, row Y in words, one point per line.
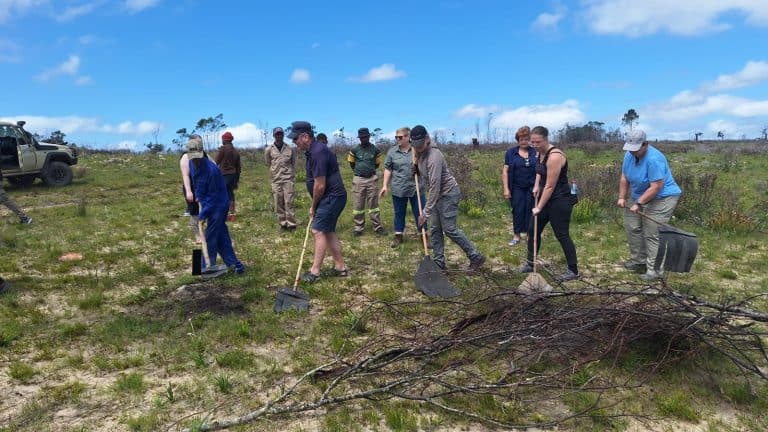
column 110, row 72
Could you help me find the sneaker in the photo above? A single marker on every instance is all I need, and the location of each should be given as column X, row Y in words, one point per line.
column 397, row 241
column 651, row 275
column 568, row 275
column 231, row 218
column 476, row 263
column 634, row 266
column 26, row 220
column 526, row 268
column 513, row 242
column 239, row 268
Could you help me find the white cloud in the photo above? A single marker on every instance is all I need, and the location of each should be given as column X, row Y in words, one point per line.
column 248, row 135
column 728, row 127
column 385, row 72
column 73, row 12
column 139, row 5
column 680, row 17
column 300, row 76
column 475, row 111
column 126, row 145
column 10, row 52
column 78, row 124
column 549, row 21
column 83, row 80
column 315, row 45
column 69, row 67
column 552, row 116
column 140, row 128
column 691, row 106
column 754, row 72
column 9, row 8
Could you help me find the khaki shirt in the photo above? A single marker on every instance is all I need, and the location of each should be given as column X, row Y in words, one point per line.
column 282, row 163
column 438, row 178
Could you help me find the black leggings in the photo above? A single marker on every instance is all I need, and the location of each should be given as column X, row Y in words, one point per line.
column 558, row 212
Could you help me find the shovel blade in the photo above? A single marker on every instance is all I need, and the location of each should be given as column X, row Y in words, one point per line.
column 534, row 283
column 288, row 298
column 431, row 280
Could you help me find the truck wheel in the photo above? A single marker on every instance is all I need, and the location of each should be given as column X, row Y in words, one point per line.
column 23, row 180
column 57, row 174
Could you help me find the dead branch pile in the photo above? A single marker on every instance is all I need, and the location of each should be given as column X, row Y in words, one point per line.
column 514, row 361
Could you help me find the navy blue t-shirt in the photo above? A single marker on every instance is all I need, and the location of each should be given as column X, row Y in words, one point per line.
column 522, row 171
column 321, row 162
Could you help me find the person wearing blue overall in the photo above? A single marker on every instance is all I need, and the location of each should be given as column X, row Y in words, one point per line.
column 518, row 176
column 211, row 192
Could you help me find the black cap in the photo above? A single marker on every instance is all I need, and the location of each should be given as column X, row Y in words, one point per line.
column 418, row 136
column 298, row 128
column 363, row 132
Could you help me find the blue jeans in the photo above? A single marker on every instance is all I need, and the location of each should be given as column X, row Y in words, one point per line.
column 400, row 205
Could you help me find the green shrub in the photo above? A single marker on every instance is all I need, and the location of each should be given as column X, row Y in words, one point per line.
column 586, row 210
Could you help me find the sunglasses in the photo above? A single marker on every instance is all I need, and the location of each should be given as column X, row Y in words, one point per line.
column 399, row 137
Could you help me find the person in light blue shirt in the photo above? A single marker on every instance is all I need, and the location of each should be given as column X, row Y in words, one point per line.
column 646, row 186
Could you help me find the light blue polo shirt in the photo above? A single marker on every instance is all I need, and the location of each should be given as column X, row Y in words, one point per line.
column 652, row 167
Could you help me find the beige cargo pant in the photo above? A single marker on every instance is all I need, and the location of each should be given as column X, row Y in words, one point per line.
column 365, row 193
column 283, row 195
column 643, row 234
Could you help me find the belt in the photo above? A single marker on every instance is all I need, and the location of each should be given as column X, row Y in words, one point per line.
column 368, row 176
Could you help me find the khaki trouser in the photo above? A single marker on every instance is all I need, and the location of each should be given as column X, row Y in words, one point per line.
column 8, row 202
column 643, row 234
column 283, row 194
column 365, row 192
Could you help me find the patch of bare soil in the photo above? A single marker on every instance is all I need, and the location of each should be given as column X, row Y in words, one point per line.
column 208, row 296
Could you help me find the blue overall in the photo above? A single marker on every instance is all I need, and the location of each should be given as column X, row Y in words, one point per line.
column 211, row 192
column 521, row 175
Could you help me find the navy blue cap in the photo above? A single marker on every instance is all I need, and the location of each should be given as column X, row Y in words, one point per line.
column 298, row 128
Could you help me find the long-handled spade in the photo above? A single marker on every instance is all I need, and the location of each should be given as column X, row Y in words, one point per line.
column 429, row 277
column 535, row 282
column 211, row 271
column 292, row 298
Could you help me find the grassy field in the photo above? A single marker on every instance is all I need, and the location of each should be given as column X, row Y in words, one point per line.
column 128, row 339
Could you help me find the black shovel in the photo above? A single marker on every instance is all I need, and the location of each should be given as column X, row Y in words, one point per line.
column 677, row 248
column 211, row 271
column 292, row 298
column 429, row 277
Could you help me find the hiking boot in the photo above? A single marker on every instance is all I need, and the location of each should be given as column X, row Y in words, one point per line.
column 651, row 275
column 568, row 275
column 26, row 220
column 526, row 268
column 397, row 241
column 476, row 263
column 634, row 266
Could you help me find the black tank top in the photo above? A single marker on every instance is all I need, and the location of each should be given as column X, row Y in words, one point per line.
column 562, row 190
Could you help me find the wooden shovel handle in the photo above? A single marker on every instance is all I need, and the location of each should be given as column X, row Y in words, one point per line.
column 535, row 233
column 301, row 259
column 418, row 199
column 201, row 227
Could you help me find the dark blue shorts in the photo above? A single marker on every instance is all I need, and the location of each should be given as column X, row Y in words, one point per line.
column 327, row 213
